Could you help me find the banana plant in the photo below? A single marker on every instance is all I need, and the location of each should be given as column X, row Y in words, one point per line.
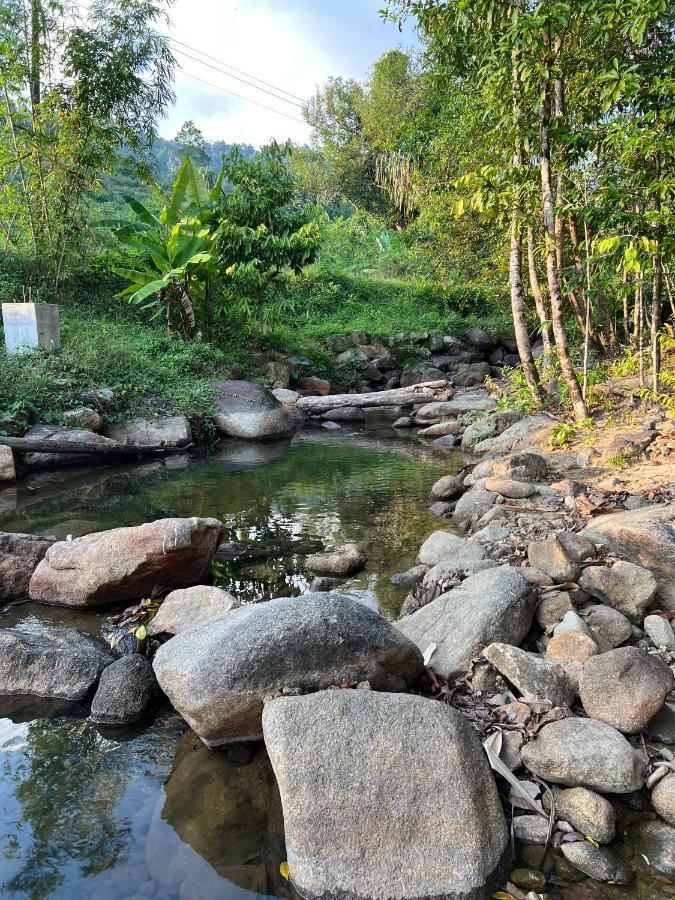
column 174, row 251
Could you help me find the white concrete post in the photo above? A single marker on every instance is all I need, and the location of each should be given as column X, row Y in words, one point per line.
column 31, row 325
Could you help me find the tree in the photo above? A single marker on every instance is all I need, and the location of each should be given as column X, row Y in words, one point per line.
column 190, row 144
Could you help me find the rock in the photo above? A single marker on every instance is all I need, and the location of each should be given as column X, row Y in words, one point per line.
column 585, row 753
column 315, row 385
column 660, row 632
column 535, row 576
column 656, row 841
column 331, row 426
column 572, row 621
column 250, row 411
column 488, row 427
column 325, row 583
column 126, row 563
column 552, row 608
column 449, row 442
column 528, row 880
column 663, row 799
column 50, row 662
column 462, row 566
column 191, row 606
column 507, row 487
column 471, row 374
column 217, row 675
column 608, row 626
column 74, row 437
column 19, row 557
column 558, row 556
column 530, row 673
column 493, row 605
column 662, row 726
column 532, row 432
column 571, row 650
column 84, row 417
column 375, row 414
column 440, row 410
column 625, row 688
column 339, row 800
column 447, row 488
column 645, row 536
column 345, row 414
column 403, row 422
column 473, row 504
column 515, row 466
column 624, row 586
column 287, row 398
column 343, row 561
column 530, row 829
column 101, row 398
column 494, row 533
column 443, row 429
column 127, row 692
column 174, row 431
column 353, row 356
column 411, row 577
column 591, row 814
column 597, row 862
column 420, row 374
column 442, row 509
column 444, row 546
column 478, row 337
column 7, row 467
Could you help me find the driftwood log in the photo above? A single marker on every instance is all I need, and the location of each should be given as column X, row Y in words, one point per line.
column 82, row 448
column 427, row 392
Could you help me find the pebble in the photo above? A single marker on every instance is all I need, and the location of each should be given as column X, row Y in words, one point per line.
column 597, row 862
column 660, row 631
column 663, row 799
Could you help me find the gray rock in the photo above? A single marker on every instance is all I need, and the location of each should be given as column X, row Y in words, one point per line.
column 217, row 675
column 420, row 374
column 442, row 546
column 460, row 565
column 126, row 563
column 345, row 414
column 174, row 431
column 494, row 605
column 609, row 627
column 556, row 557
column 19, row 557
column 442, row 509
column 585, row 753
column 440, row 410
column 250, row 411
column 645, row 536
column 487, row 427
column 659, row 631
column 343, row 561
column 591, row 814
column 471, row 374
column 188, row 607
column 624, row 688
column 552, row 608
column 443, row 429
column 404, row 422
column 662, row 726
column 571, row 650
column 532, row 432
column 509, row 487
column 287, row 398
column 64, row 460
column 473, row 504
column 597, row 862
column 530, row 829
column 624, row 586
column 339, row 801
column 411, row 577
column 50, row 662
column 663, row 799
column 479, row 338
column 323, row 583
column 531, row 673
column 525, row 467
column 7, row 467
column 656, row 841
column 127, row 692
column 447, row 488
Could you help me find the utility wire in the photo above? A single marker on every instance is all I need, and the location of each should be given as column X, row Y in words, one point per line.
column 234, row 68
column 218, row 87
column 237, row 78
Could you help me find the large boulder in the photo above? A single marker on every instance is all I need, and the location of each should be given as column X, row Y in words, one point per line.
column 127, row 692
column 7, row 468
column 50, row 662
column 366, row 761
column 493, row 605
column 83, row 417
column 445, row 546
column 19, row 557
column 590, row 813
column 625, row 688
column 343, row 561
column 189, row 607
column 473, row 504
column 487, row 427
column 126, row 563
column 217, row 675
column 585, row 753
column 440, row 410
column 645, row 536
column 173, row 431
column 530, row 433
column 250, row 411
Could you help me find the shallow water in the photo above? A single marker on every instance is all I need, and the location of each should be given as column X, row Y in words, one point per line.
column 150, row 812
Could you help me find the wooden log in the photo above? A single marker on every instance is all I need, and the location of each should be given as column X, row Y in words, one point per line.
column 102, row 447
column 427, row 392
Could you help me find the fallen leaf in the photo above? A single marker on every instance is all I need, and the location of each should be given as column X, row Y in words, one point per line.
column 283, row 868
column 428, row 653
column 506, row 773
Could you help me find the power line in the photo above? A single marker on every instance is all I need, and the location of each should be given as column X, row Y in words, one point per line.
column 218, row 87
column 230, row 66
column 236, row 77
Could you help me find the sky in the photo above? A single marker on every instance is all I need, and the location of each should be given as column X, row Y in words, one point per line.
column 294, row 45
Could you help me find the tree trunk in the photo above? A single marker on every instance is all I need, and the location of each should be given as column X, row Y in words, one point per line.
column 539, row 301
column 657, row 287
column 553, row 276
column 518, row 310
column 580, row 310
column 35, row 54
column 418, row 393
